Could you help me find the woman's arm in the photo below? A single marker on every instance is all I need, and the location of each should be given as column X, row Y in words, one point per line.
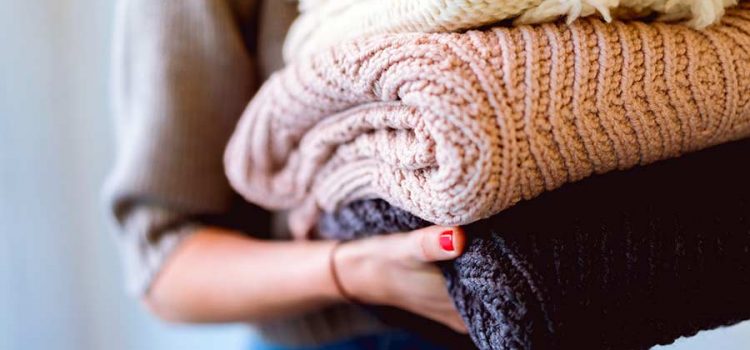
column 220, row 276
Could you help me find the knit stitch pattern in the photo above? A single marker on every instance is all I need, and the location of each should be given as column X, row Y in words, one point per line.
column 323, row 23
column 626, row 260
column 457, row 127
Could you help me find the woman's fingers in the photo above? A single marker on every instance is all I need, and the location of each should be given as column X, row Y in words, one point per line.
column 448, row 315
column 455, row 322
column 397, row 270
column 436, row 243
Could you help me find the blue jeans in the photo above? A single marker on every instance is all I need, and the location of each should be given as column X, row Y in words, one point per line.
column 393, row 340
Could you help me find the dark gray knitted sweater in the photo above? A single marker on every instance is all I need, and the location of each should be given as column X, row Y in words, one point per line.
column 622, row 261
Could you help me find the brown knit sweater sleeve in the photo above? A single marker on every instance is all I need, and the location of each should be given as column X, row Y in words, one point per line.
column 182, row 74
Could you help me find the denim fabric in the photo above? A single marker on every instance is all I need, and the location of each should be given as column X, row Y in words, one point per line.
column 394, row 340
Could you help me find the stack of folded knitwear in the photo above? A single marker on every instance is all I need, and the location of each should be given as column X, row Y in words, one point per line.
column 597, row 164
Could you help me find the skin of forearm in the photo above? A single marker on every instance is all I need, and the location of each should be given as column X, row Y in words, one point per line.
column 218, row 276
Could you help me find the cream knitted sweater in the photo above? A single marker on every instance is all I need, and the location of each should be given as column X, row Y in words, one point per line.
column 326, row 22
column 457, row 127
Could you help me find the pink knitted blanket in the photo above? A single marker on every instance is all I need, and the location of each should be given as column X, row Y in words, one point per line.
column 457, row 127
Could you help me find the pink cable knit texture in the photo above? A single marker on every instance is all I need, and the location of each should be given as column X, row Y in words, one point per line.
column 457, row 127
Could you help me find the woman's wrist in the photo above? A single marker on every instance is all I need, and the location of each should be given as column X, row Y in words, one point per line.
column 335, row 275
column 327, row 285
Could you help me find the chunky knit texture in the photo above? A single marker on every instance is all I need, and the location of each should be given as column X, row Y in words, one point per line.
column 457, row 127
column 326, row 22
column 619, row 261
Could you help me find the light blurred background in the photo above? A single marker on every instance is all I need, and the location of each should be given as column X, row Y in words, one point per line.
column 60, row 282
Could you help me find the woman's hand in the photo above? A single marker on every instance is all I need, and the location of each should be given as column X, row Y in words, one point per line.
column 219, row 276
column 398, row 270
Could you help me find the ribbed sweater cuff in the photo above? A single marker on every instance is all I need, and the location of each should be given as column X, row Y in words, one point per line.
column 150, row 236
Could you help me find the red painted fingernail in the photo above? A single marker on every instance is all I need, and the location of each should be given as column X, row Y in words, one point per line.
column 446, row 240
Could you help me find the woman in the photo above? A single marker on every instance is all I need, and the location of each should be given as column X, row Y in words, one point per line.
column 184, row 71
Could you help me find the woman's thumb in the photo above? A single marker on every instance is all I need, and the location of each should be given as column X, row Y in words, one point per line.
column 437, row 243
